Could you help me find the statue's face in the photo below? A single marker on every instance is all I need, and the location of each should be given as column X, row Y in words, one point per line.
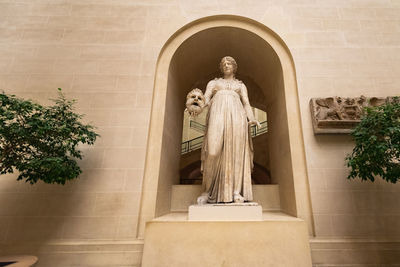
column 227, row 67
column 195, row 101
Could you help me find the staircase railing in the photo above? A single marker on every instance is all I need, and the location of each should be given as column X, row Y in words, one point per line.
column 197, row 142
column 257, row 131
column 197, row 126
column 192, row 144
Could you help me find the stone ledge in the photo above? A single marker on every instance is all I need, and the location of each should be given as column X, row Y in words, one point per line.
column 182, row 196
column 267, row 216
column 226, row 212
column 223, row 243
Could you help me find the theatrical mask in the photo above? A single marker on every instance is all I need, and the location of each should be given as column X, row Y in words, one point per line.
column 195, row 102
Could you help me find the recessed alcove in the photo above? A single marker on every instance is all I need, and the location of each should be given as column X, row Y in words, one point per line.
column 196, row 62
column 190, row 59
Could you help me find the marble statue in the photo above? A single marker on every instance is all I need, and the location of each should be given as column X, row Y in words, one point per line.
column 227, row 152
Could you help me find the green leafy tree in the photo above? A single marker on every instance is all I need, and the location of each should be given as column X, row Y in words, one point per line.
column 377, row 144
column 40, row 142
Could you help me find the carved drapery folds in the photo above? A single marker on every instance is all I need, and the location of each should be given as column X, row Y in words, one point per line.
column 339, row 115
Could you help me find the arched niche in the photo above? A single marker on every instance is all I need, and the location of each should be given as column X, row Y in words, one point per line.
column 192, row 54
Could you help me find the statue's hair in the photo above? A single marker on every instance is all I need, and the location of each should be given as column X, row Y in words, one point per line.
column 194, row 90
column 231, row 60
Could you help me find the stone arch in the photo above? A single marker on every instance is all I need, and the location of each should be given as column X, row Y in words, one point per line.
column 263, row 57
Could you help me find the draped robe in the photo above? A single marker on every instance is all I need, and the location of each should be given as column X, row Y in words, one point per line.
column 227, row 152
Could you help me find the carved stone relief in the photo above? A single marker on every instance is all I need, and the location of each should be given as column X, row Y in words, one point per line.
column 339, row 115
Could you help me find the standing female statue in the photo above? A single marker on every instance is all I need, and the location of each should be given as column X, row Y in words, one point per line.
column 227, row 152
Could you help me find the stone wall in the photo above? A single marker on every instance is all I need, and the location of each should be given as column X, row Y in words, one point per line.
column 104, row 53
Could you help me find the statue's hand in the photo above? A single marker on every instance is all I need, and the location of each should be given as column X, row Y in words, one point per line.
column 254, row 122
column 191, row 114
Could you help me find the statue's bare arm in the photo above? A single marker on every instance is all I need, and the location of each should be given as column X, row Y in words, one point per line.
column 209, row 92
column 247, row 107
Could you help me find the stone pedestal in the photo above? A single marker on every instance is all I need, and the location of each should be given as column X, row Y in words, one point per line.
column 226, row 212
column 280, row 240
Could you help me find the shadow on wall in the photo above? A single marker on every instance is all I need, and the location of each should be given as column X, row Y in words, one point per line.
column 33, row 215
column 355, row 208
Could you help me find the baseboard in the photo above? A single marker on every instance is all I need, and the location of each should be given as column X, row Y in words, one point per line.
column 112, row 253
column 355, row 252
column 83, row 253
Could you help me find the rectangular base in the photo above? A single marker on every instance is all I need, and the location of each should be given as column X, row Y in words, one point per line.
column 226, row 212
column 211, row 244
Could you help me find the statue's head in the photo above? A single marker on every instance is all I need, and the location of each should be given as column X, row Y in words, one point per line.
column 195, row 101
column 230, row 60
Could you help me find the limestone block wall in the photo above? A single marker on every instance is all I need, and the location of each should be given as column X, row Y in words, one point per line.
column 104, row 54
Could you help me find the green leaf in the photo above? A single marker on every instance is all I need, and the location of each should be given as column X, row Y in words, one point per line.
column 377, row 144
column 41, row 142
